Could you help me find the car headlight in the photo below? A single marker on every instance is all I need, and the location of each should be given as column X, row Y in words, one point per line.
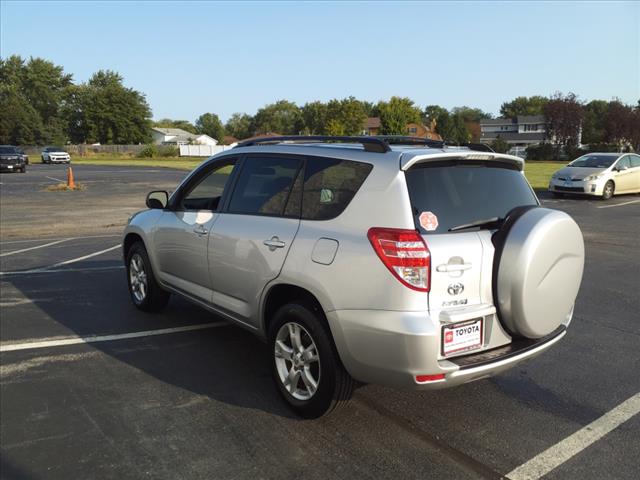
column 591, row 178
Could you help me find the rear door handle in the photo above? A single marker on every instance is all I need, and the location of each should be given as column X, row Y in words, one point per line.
column 274, row 243
column 200, row 230
column 453, row 267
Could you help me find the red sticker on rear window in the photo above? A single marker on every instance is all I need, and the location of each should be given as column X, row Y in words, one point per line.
column 428, row 221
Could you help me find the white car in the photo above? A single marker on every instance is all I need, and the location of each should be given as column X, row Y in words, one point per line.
column 599, row 174
column 55, row 155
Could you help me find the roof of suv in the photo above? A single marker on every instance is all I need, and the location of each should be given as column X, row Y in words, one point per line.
column 405, row 155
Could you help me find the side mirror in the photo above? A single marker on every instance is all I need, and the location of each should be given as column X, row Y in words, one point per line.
column 157, row 199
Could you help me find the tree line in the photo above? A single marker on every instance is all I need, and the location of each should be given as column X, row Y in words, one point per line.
column 42, row 105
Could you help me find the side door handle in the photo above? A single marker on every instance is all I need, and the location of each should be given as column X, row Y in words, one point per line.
column 200, row 230
column 274, row 243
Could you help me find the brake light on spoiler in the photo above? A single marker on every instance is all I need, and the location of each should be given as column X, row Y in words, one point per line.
column 405, row 254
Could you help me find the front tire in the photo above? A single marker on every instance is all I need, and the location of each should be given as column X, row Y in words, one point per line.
column 145, row 292
column 305, row 364
column 608, row 191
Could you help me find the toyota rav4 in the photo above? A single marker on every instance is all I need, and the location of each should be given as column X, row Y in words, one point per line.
column 396, row 261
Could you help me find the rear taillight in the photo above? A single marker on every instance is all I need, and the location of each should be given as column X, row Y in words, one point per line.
column 405, row 254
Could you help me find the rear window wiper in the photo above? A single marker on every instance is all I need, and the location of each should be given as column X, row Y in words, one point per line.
column 493, row 222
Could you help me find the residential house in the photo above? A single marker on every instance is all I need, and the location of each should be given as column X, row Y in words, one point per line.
column 177, row 136
column 371, row 126
column 229, row 140
column 521, row 131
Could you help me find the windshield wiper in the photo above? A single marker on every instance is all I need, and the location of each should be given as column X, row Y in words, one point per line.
column 493, row 222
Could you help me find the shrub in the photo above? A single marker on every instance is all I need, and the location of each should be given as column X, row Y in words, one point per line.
column 169, row 151
column 499, row 145
column 149, row 151
column 543, row 151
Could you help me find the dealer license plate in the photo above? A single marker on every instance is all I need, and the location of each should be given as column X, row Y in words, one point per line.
column 461, row 337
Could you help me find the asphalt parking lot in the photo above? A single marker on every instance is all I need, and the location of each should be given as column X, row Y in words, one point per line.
column 184, row 395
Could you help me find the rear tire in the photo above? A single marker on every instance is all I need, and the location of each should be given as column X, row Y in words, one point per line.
column 145, row 292
column 608, row 191
column 305, row 364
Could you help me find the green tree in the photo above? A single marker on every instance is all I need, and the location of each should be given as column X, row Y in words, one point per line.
column 314, row 116
column 104, row 110
column 20, row 124
column 396, row 114
column 524, row 106
column 282, row 117
column 593, row 124
column 346, row 116
column 239, row 126
column 452, row 127
column 185, row 125
column 210, row 124
column 34, row 91
column 469, row 114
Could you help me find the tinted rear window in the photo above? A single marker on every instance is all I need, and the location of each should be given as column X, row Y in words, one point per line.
column 329, row 186
column 459, row 194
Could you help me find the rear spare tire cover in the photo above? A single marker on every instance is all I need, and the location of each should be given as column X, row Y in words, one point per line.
column 539, row 271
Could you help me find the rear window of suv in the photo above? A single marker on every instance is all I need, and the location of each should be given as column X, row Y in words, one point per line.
column 329, row 186
column 459, row 193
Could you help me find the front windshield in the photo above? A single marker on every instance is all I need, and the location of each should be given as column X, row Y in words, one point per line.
column 8, row 150
column 55, row 149
column 594, row 161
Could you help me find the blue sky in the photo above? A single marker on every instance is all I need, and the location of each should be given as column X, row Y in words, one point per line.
column 195, row 57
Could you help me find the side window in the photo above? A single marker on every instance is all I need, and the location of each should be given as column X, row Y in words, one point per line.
column 635, row 161
column 264, row 184
column 206, row 194
column 623, row 162
column 329, row 186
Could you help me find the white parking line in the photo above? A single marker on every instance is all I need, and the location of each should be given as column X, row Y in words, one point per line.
column 45, row 343
column 620, row 204
column 55, row 179
column 559, row 453
column 8, row 242
column 84, row 257
column 34, row 248
column 61, row 270
column 51, row 268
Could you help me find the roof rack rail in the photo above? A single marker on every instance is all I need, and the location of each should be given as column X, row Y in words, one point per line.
column 370, row 144
column 406, row 140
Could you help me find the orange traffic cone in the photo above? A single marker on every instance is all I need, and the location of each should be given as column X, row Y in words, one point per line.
column 70, row 183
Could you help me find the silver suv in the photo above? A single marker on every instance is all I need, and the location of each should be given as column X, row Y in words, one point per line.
column 395, row 261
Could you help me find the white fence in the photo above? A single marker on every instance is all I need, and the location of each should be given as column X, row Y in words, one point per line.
column 202, row 150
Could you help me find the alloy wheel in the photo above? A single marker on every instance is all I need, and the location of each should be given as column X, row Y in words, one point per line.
column 297, row 361
column 138, row 278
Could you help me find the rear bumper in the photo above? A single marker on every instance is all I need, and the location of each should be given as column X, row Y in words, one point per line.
column 391, row 348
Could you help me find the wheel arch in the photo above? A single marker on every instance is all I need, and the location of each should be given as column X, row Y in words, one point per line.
column 282, row 293
column 129, row 239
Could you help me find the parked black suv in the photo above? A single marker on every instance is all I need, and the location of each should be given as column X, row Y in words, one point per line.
column 12, row 159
